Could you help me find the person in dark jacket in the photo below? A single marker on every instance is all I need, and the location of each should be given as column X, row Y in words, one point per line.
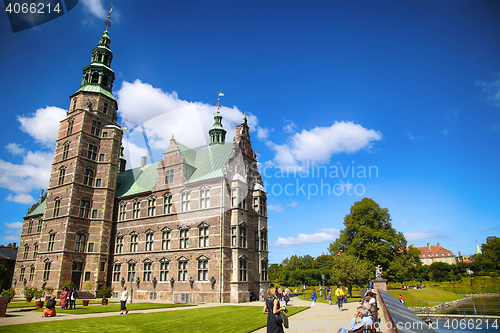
column 50, row 308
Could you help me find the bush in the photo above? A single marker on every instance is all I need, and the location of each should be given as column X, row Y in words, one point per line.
column 104, row 292
column 30, row 292
column 10, row 293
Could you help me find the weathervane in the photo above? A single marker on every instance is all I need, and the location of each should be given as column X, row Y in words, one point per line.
column 218, row 99
column 108, row 22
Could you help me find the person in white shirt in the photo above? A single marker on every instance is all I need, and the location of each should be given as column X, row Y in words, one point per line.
column 123, row 301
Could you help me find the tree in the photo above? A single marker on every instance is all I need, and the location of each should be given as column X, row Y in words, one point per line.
column 350, row 271
column 405, row 265
column 490, row 254
column 369, row 235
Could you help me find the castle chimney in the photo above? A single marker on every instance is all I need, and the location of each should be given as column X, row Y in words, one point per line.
column 459, row 254
column 429, row 246
column 144, row 161
column 14, row 245
column 439, row 245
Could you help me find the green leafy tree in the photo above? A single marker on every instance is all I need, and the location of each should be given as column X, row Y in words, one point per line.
column 405, row 265
column 489, row 259
column 3, row 271
column 440, row 271
column 369, row 235
column 350, row 271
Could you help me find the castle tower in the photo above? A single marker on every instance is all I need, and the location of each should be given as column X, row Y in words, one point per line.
column 217, row 133
column 73, row 241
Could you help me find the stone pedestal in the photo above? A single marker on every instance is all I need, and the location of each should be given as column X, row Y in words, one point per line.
column 380, row 283
column 4, row 301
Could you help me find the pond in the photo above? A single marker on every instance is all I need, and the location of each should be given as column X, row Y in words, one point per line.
column 477, row 306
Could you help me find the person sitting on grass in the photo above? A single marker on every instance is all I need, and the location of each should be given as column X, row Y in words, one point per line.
column 50, row 308
column 364, row 321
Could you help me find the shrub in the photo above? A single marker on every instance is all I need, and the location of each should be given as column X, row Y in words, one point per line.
column 104, row 292
column 30, row 292
column 10, row 293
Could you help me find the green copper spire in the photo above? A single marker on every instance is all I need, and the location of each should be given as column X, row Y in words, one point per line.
column 217, row 133
column 98, row 75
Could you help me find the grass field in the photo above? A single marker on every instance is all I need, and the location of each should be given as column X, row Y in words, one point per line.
column 223, row 319
column 427, row 294
column 116, row 308
column 24, row 304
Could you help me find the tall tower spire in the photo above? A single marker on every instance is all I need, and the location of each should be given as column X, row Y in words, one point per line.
column 217, row 133
column 98, row 75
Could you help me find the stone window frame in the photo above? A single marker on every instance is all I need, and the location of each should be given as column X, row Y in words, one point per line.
column 51, row 241
column 57, row 207
column 242, row 235
column 149, row 241
column 169, row 176
column 184, row 237
column 242, row 268
column 264, row 269
column 71, row 122
column 92, row 151
column 119, row 238
column 30, row 227
column 185, row 200
column 65, row 152
column 164, row 270
column 263, row 239
column 62, row 174
column 122, row 211
column 35, row 250
column 22, row 272
column 204, row 197
column 26, row 251
column 81, row 238
column 183, row 264
column 166, row 238
column 131, row 270
column 147, row 272
column 39, row 226
column 202, row 268
column 117, row 270
column 85, row 207
column 89, row 176
column 95, row 128
column 136, row 208
column 31, row 276
column 46, row 269
column 152, row 205
column 203, row 235
column 168, row 203
column 134, row 241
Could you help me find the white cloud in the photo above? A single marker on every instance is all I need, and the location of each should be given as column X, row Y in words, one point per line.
column 163, row 114
column 96, row 8
column 319, row 144
column 15, row 149
column 43, row 125
column 405, row 223
column 13, row 225
column 293, row 204
column 21, row 198
column 290, row 127
column 276, row 208
column 422, row 234
column 492, row 90
column 322, row 236
column 262, row 133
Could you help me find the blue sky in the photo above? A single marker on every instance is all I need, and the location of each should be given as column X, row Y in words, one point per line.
column 409, row 90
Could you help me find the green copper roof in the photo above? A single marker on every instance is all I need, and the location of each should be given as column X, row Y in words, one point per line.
column 207, row 163
column 137, row 180
column 39, row 209
column 96, row 89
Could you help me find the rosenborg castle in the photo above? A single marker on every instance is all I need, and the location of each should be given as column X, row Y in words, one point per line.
column 189, row 228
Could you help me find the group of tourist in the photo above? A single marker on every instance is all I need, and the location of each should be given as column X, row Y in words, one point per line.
column 67, row 296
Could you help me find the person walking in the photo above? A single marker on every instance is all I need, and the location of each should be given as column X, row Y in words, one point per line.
column 64, row 298
column 329, row 298
column 313, row 297
column 123, row 301
column 271, row 309
column 339, row 293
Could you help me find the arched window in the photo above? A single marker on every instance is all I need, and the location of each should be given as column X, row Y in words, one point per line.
column 62, row 172
column 122, row 211
column 57, row 205
column 95, row 77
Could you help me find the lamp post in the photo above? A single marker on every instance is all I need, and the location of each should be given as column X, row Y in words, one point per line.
column 131, row 290
column 323, row 285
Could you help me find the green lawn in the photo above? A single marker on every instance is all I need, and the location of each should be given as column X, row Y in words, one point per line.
column 32, row 304
column 427, row 294
column 116, row 308
column 230, row 319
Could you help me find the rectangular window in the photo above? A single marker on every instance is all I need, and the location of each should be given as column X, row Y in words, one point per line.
column 70, row 126
column 62, row 172
column 149, row 241
column 263, row 240
column 87, row 276
column 103, row 266
column 96, row 128
column 151, row 206
column 136, row 210
column 35, row 251
column 104, row 134
column 122, row 212
column 234, row 235
column 65, row 152
column 133, row 243
column 98, row 182
column 183, row 270
column 80, row 242
column 167, row 204
column 203, row 270
column 147, row 271
column 184, row 239
column 256, row 206
column 169, row 176
column 74, row 103
column 131, row 272
column 203, row 237
column 46, row 271
column 116, row 272
column 30, row 226
column 52, row 238
column 165, row 240
column 88, row 177
column 84, row 209
column 26, row 251
column 164, row 268
column 91, row 247
column 92, row 152
column 263, row 275
column 101, row 157
column 57, row 205
column 105, row 108
column 263, row 210
column 94, row 214
column 39, row 226
column 204, row 198
column 32, row 274
column 256, row 239
column 243, row 237
column 186, row 201
column 119, row 244
column 243, row 270
column 21, row 274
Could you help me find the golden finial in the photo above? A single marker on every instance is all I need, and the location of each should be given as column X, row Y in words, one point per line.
column 108, row 22
column 218, row 99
